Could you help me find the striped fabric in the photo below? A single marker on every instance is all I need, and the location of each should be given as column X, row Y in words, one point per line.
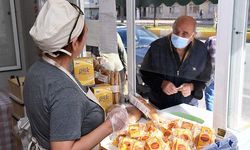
column 5, row 123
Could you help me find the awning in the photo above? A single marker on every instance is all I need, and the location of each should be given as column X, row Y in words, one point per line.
column 145, row 3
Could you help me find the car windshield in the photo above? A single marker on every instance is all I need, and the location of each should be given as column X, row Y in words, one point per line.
column 143, row 36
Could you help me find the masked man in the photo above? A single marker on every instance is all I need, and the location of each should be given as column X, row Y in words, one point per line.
column 177, row 67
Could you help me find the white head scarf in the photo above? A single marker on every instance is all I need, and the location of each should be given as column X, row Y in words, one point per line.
column 53, row 25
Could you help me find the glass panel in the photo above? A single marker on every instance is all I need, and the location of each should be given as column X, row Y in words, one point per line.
column 107, row 42
column 246, row 83
column 154, row 21
column 238, row 108
column 7, row 45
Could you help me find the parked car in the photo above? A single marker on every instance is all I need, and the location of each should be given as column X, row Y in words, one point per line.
column 143, row 39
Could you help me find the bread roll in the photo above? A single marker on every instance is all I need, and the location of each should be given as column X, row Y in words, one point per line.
column 134, row 114
column 153, row 115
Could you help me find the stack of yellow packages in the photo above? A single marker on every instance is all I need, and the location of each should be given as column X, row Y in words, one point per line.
column 105, row 76
column 170, row 135
column 104, row 94
column 104, row 83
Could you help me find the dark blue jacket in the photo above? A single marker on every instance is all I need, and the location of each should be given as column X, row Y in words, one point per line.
column 162, row 63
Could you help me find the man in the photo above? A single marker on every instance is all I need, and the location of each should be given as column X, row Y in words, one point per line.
column 176, row 67
column 209, row 90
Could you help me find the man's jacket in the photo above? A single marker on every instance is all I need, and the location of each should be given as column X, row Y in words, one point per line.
column 162, row 62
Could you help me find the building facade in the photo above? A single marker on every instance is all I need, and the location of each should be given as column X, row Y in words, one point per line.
column 207, row 10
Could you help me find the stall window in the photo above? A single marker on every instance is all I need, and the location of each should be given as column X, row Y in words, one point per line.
column 232, row 70
column 239, row 100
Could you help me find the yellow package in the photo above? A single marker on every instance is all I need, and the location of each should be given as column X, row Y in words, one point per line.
column 187, row 125
column 183, row 134
column 103, row 92
column 84, row 70
column 179, row 144
column 154, row 143
column 134, row 130
column 205, row 137
column 139, row 145
column 126, row 144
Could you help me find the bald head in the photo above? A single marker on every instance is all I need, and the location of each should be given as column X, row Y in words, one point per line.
column 184, row 26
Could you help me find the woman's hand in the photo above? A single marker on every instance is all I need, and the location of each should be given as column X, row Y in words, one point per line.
column 118, row 117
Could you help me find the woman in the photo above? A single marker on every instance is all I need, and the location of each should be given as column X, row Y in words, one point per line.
column 62, row 113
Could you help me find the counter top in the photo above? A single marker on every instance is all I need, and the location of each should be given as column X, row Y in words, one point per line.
column 165, row 114
column 206, row 115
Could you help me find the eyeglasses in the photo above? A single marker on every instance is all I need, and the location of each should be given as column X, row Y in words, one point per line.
column 80, row 13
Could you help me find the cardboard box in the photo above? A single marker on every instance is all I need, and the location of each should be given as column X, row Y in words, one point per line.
column 17, row 143
column 104, row 94
column 14, row 121
column 16, row 89
column 18, row 110
column 84, row 70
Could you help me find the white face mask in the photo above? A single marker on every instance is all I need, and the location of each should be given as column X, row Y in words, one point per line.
column 179, row 42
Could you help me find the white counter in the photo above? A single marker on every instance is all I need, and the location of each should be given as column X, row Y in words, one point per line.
column 206, row 115
column 164, row 114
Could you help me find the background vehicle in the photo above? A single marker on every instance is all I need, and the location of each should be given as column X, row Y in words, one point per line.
column 143, row 39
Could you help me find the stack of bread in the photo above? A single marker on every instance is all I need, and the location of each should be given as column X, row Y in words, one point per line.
column 105, row 75
column 104, row 82
column 170, row 135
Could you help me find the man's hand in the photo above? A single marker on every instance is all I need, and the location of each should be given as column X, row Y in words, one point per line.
column 186, row 89
column 168, row 87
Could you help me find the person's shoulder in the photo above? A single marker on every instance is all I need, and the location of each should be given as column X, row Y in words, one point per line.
column 42, row 72
column 199, row 47
column 211, row 39
column 161, row 41
column 199, row 44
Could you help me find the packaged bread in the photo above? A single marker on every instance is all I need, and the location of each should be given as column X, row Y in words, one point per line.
column 153, row 130
column 203, row 137
column 139, row 145
column 118, row 139
column 183, row 134
column 154, row 143
column 176, row 123
column 145, row 135
column 116, row 87
column 84, row 70
column 146, row 108
column 126, row 144
column 133, row 113
column 187, row 125
column 174, row 134
column 102, row 75
column 179, row 144
column 134, row 131
column 103, row 92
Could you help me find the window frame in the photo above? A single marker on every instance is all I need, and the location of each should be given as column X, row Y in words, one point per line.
column 223, row 78
column 15, row 42
column 230, row 49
